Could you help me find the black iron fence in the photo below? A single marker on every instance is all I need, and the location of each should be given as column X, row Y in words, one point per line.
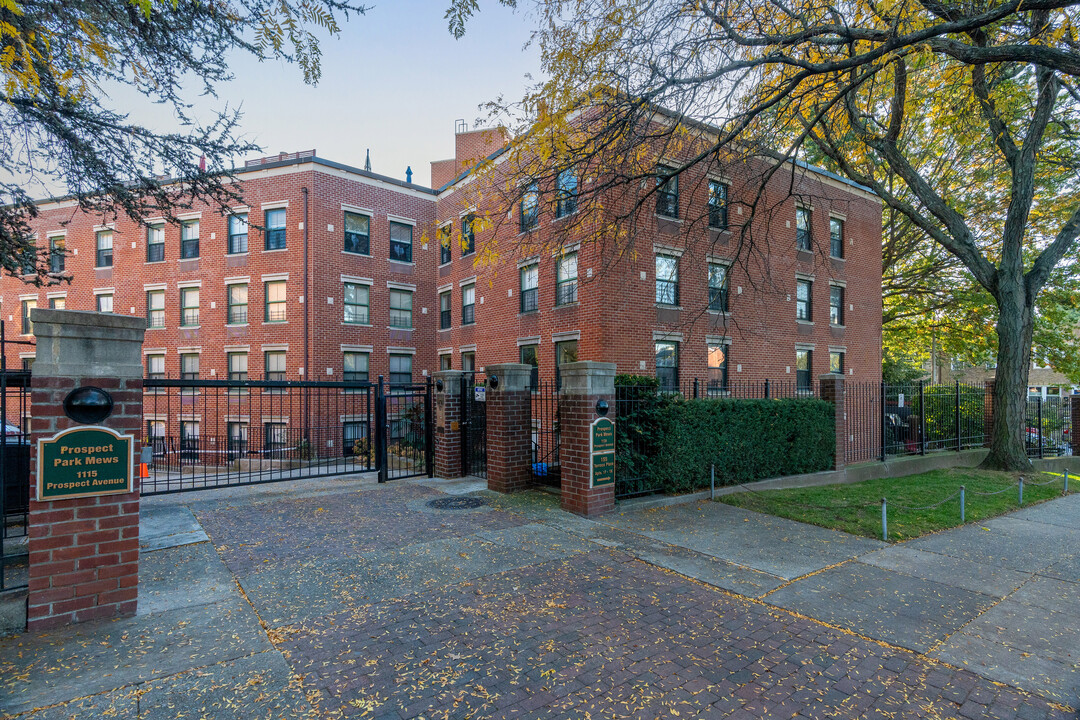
column 473, row 425
column 15, row 489
column 1048, row 427
column 545, row 433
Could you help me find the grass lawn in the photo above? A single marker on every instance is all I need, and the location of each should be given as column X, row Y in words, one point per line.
column 856, row 507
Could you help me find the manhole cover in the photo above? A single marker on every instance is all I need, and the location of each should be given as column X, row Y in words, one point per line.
column 457, row 503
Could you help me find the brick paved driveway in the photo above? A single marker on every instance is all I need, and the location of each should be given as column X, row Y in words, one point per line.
column 371, row 604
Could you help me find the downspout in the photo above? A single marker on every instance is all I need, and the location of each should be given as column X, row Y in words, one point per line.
column 307, row 337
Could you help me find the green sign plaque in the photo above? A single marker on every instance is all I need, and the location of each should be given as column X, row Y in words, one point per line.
column 603, row 469
column 602, row 437
column 83, row 462
column 602, row 451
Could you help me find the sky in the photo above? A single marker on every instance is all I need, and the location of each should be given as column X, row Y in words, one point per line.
column 394, row 81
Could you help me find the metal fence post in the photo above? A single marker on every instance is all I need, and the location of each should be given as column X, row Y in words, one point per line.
column 380, row 431
column 884, row 435
column 884, row 521
column 429, row 429
column 1021, row 486
column 695, row 388
column 1038, row 410
column 922, row 418
column 962, row 508
column 1066, row 481
column 959, row 434
column 712, row 483
column 766, row 389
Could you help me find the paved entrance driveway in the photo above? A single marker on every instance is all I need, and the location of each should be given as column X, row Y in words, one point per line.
column 333, row 599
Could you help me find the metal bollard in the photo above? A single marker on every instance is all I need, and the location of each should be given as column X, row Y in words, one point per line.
column 962, row 519
column 884, row 522
column 712, row 483
column 1021, row 485
column 1066, row 481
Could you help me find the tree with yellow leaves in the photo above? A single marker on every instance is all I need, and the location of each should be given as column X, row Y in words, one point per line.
column 883, row 91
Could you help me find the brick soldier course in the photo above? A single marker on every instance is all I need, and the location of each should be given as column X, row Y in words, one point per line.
column 84, row 552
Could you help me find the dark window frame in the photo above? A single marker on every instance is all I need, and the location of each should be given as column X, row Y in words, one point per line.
column 355, row 375
column 804, row 235
column 355, row 306
column 103, row 256
column 189, row 246
column 667, row 289
column 274, row 234
column 566, row 193
column 468, row 235
column 838, row 355
column 836, row 237
column 396, row 312
column 236, row 375
column 668, row 375
column 529, row 207
column 468, row 310
column 836, row 305
column 275, row 375
column 233, row 314
column 718, row 295
column 279, row 313
column 804, row 308
column 355, row 242
column 238, row 241
column 398, row 377
column 446, row 251
column 534, row 373
column 566, row 289
column 155, row 249
column 405, row 251
column 189, row 314
column 529, row 300
column 718, row 374
column 57, row 253
column 155, row 316
column 804, row 380
column 718, row 204
column 446, row 312
column 667, row 192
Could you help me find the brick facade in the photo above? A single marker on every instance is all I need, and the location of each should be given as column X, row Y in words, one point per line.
column 509, row 431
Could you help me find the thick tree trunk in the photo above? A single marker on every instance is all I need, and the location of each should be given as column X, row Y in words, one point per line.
column 1014, row 327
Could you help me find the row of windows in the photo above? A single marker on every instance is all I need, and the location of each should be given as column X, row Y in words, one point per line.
column 354, row 366
column 468, row 239
column 804, row 306
column 357, row 239
column 719, row 358
column 566, row 198
column 667, row 198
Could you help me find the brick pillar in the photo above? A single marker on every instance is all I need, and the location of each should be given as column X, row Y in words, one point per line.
column 988, row 411
column 509, row 427
column 448, row 423
column 84, row 552
column 1074, row 432
column 583, row 384
column 832, row 390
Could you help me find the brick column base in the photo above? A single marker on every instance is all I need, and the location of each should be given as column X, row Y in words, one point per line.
column 509, row 427
column 832, row 390
column 84, row 552
column 583, row 384
column 448, row 423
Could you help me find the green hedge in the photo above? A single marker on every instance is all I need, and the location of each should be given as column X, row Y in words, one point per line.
column 677, row 440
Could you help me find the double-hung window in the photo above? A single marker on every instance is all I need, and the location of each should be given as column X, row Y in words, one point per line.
column 155, row 242
column 566, row 191
column 58, row 303
column 238, row 438
column 802, row 228
column 400, row 242
column 104, row 257
column 530, row 355
column 667, row 280
column 718, row 205
column 155, row 308
column 275, row 301
column 357, row 233
column 667, row 192
column 27, row 325
column 238, row 365
column 718, row 287
column 355, row 366
column 803, row 303
column 29, row 261
column 530, row 207
column 445, row 234
column 189, row 307
column 530, row 287
column 275, row 438
column 667, row 365
column 445, row 313
column 104, row 302
column 238, row 304
column 238, row 234
column 566, row 351
column 357, row 304
column 468, row 235
column 401, row 369
column 155, row 367
column 401, row 309
column 189, row 239
column 275, row 229
column 56, row 254
column 803, row 367
column 836, row 237
column 718, row 367
column 275, row 365
column 468, row 361
column 566, row 279
column 189, row 366
column 836, row 304
column 468, row 304
column 836, row 362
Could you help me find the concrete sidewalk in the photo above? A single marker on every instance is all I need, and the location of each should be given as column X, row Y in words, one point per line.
column 343, row 599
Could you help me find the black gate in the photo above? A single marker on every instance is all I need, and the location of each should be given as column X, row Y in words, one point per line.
column 474, row 425
column 545, row 433
column 404, row 443
column 15, row 469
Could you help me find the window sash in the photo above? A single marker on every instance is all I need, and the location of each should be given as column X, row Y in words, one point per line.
column 566, row 280
column 275, row 229
column 238, row 365
column 836, row 362
column 357, row 304
column 718, row 287
column 155, row 367
column 274, row 364
column 56, row 255
column 836, row 237
column 566, row 188
column 836, row 305
column 530, row 208
column 189, row 307
column 275, row 310
column 667, row 192
column 667, row 280
column 468, row 304
column 468, row 235
column 718, row 205
column 237, row 305
column 401, row 369
column 802, row 228
column 104, row 255
column 444, row 311
column 445, row 234
column 189, row 240
column 104, row 303
column 27, row 324
column 401, row 242
column 530, row 355
column 238, row 234
column 355, row 366
column 401, row 308
column 718, row 367
column 357, row 233
column 803, row 306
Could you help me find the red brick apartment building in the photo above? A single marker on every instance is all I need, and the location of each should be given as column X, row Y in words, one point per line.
column 349, row 280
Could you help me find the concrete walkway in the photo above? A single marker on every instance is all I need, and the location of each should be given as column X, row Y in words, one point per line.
column 341, row 598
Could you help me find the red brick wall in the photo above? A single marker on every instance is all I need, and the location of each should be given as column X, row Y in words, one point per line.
column 576, row 413
column 509, row 438
column 84, row 552
column 448, row 432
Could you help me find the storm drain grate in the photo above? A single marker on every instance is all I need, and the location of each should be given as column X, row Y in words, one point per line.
column 457, row 503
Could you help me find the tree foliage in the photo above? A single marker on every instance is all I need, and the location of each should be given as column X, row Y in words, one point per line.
column 59, row 61
column 961, row 117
